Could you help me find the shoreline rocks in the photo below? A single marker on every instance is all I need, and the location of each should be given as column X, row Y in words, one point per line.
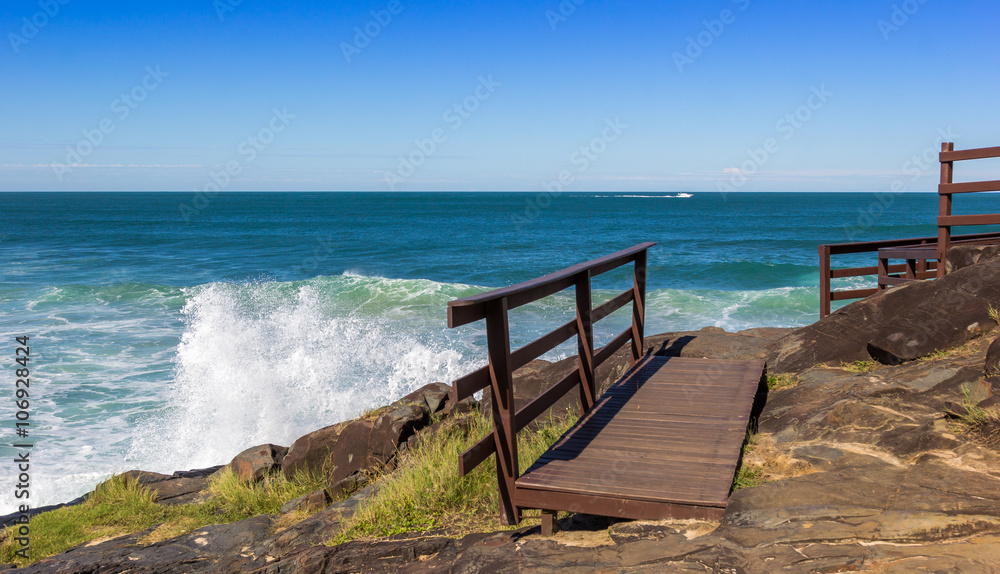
column 871, row 467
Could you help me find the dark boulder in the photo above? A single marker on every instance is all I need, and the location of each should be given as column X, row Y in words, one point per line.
column 393, row 428
column 256, row 462
column 961, row 256
column 370, row 442
column 309, row 502
column 309, row 452
column 435, row 396
column 992, row 365
column 896, row 325
column 180, row 488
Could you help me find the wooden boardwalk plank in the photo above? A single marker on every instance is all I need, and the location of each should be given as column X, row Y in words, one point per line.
column 665, row 440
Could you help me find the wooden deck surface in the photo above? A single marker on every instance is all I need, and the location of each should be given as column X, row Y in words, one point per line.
column 662, row 442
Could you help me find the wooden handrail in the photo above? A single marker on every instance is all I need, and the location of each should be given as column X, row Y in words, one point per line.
column 943, row 241
column 947, row 187
column 826, row 293
column 473, row 308
column 493, row 306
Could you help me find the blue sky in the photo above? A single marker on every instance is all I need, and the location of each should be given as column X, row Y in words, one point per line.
column 745, row 95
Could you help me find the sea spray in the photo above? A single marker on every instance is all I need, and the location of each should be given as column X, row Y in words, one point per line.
column 268, row 362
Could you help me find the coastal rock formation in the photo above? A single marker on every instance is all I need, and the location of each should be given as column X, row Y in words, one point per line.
column 256, row 462
column 181, row 487
column 864, row 467
column 968, row 255
column 898, row 324
column 368, row 443
column 863, row 472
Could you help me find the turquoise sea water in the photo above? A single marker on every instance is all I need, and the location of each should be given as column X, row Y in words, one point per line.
column 166, row 337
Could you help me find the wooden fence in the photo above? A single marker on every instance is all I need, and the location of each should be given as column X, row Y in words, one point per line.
column 924, row 256
column 494, row 306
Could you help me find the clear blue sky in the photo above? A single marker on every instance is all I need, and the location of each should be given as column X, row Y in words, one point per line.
column 662, row 96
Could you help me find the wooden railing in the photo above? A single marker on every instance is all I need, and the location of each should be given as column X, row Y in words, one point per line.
column 927, row 269
column 946, row 188
column 921, row 267
column 493, row 306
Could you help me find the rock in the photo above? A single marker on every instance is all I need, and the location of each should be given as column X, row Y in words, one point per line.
column 180, row 488
column 343, row 449
column 310, row 502
column 955, row 410
column 347, row 486
column 961, row 256
column 625, row 532
column 256, row 462
column 314, row 530
column 896, row 325
column 466, row 405
column 216, row 548
column 435, row 396
column 978, row 391
column 992, row 365
column 391, row 429
column 352, row 451
column 309, row 452
column 990, row 403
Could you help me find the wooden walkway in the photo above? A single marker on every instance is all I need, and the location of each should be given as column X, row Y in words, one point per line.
column 662, row 442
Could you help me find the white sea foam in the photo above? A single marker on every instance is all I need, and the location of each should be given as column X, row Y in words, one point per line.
column 256, row 365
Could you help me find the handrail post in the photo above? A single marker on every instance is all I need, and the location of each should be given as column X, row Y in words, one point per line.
column 639, row 306
column 944, row 209
column 502, row 406
column 825, row 291
column 585, row 341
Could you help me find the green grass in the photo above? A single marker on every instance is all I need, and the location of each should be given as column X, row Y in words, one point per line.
column 861, row 366
column 239, row 500
column 782, row 381
column 994, row 314
column 976, row 417
column 118, row 507
column 748, row 476
column 425, row 491
column 939, row 354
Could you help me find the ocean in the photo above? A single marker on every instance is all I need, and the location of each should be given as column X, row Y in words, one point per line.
column 170, row 332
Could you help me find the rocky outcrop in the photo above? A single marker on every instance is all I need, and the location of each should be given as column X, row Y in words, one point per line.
column 898, row 324
column 183, row 487
column 863, row 471
column 256, row 462
column 367, row 443
column 962, row 256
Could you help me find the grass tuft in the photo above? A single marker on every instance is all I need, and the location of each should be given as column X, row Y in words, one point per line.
column 239, row 500
column 976, row 417
column 425, row 491
column 118, row 507
column 747, row 475
column 861, row 366
column 994, row 314
column 782, row 381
